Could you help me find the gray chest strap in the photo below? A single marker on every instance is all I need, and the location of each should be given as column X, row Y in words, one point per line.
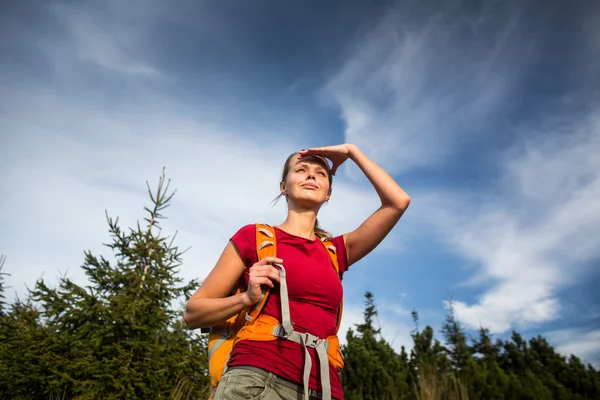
column 306, row 340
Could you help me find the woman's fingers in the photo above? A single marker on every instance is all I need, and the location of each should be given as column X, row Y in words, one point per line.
column 262, row 280
column 267, row 271
column 262, row 273
column 261, row 269
column 269, row 260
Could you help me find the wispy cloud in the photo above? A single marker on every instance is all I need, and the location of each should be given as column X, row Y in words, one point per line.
column 537, row 233
column 70, row 161
column 422, row 83
column 391, row 320
column 103, row 40
column 75, row 151
column 425, row 79
column 580, row 342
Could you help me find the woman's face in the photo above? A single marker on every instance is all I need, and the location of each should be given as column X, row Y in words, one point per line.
column 307, row 182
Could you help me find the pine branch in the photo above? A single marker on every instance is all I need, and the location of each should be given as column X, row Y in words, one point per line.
column 2, row 288
column 160, row 203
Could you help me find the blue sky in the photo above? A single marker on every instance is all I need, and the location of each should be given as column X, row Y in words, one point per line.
column 486, row 113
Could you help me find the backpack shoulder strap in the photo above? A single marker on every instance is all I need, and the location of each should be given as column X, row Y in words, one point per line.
column 265, row 241
column 266, row 245
column 332, row 251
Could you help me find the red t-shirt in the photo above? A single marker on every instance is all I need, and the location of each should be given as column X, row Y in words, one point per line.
column 314, row 291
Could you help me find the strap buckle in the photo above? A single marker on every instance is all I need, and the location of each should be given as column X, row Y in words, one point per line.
column 313, row 341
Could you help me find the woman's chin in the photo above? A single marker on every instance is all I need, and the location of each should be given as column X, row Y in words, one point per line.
column 309, row 202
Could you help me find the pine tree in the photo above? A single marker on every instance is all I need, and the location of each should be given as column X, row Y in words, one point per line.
column 3, row 328
column 370, row 312
column 489, row 380
column 21, row 347
column 432, row 376
column 460, row 354
column 457, row 348
column 372, row 368
column 2, row 289
column 516, row 360
column 118, row 337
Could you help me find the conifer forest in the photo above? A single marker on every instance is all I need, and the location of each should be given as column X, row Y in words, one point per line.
column 122, row 336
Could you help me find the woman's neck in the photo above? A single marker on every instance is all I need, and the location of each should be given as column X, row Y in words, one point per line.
column 300, row 224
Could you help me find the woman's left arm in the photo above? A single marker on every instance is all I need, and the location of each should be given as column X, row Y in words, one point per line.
column 394, row 200
column 375, row 228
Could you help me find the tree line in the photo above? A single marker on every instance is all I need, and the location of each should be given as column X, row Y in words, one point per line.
column 121, row 337
column 457, row 367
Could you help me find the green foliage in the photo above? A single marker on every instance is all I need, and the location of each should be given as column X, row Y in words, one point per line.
column 2, row 289
column 372, row 369
column 118, row 337
column 459, row 368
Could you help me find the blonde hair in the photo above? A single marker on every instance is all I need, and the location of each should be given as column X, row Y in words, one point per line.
column 319, row 232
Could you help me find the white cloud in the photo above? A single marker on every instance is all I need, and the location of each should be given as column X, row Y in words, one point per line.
column 582, row 343
column 112, row 39
column 353, row 315
column 67, row 161
column 535, row 234
column 420, row 84
column 396, row 326
column 423, row 80
column 391, row 320
column 72, row 149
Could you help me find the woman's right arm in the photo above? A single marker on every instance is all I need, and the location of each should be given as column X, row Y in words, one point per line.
column 211, row 305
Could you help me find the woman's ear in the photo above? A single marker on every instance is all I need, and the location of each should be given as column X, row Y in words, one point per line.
column 282, row 188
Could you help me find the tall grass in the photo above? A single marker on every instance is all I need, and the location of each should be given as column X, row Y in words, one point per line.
column 184, row 390
column 431, row 384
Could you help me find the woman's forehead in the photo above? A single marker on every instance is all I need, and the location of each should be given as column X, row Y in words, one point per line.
column 312, row 159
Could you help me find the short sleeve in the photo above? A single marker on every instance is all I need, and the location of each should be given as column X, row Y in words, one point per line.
column 245, row 242
column 340, row 252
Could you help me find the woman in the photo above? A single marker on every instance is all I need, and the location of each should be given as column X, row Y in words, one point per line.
column 274, row 369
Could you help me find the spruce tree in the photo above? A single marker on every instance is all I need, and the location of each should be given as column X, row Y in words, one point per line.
column 489, row 380
column 119, row 336
column 373, row 370
column 460, row 353
column 22, row 347
column 457, row 348
column 2, row 289
column 432, row 376
column 3, row 328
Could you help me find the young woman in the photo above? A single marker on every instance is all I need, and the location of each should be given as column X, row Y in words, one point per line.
column 275, row 369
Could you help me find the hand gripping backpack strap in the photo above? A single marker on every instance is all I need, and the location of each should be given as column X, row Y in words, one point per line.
column 222, row 337
column 266, row 246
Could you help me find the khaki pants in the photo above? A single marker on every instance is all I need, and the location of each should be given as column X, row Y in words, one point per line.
column 248, row 383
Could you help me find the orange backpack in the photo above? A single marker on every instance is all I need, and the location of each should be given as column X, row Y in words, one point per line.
column 250, row 324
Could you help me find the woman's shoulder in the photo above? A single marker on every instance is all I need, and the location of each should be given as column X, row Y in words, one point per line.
column 245, row 235
column 244, row 240
column 246, row 230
